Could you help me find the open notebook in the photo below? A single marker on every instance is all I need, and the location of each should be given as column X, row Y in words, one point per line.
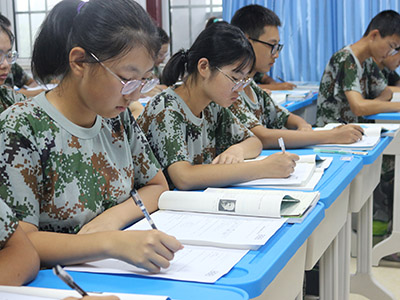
column 307, row 173
column 371, row 137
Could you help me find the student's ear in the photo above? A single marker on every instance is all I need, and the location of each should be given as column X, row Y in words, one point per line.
column 203, row 67
column 77, row 60
column 374, row 34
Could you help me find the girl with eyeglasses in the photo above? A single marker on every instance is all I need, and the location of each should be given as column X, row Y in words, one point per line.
column 197, row 140
column 7, row 58
column 70, row 156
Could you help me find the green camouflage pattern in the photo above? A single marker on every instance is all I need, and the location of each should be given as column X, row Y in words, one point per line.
column 391, row 77
column 345, row 73
column 8, row 223
column 17, row 77
column 8, row 97
column 57, row 175
column 262, row 112
column 176, row 134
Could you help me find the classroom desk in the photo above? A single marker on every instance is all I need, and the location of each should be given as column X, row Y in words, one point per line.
column 391, row 244
column 334, row 190
column 307, row 109
column 361, row 190
column 176, row 290
column 275, row 270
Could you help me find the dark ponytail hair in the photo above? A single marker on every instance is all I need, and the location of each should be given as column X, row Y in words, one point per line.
column 103, row 27
column 221, row 43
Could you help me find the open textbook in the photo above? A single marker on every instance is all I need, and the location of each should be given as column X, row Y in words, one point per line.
column 281, row 96
column 35, row 293
column 307, row 173
column 371, row 137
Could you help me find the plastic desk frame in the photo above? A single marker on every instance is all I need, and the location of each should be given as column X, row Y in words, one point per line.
column 391, row 244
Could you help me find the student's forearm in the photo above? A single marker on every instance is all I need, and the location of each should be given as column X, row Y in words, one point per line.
column 395, row 89
column 251, row 147
column 371, row 107
column 295, row 122
column 19, row 261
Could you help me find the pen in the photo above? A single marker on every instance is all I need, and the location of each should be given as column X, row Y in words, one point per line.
column 340, row 151
column 64, row 276
column 139, row 202
column 280, row 78
column 282, row 144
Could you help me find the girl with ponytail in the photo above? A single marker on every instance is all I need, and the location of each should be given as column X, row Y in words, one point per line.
column 197, row 140
column 71, row 156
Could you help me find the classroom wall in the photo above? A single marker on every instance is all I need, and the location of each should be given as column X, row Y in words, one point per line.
column 312, row 30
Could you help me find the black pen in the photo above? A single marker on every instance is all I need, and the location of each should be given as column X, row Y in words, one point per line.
column 64, row 276
column 135, row 196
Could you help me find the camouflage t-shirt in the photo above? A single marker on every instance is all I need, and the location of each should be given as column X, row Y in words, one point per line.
column 391, row 77
column 176, row 134
column 345, row 73
column 8, row 223
column 17, row 77
column 58, row 175
column 262, row 112
column 8, row 97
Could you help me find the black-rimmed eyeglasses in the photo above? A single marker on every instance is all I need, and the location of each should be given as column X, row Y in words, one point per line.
column 275, row 48
column 10, row 56
column 130, row 86
column 238, row 84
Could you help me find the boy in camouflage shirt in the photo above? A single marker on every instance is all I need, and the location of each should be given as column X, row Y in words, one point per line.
column 352, row 85
column 256, row 109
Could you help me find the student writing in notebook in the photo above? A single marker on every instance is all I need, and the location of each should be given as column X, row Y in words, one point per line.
column 197, row 140
column 256, row 109
column 70, row 156
column 352, row 85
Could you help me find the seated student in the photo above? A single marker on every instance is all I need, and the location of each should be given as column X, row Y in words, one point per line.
column 352, row 85
column 388, row 68
column 7, row 57
column 255, row 108
column 266, row 82
column 18, row 77
column 70, row 157
column 136, row 107
column 197, row 140
column 19, row 262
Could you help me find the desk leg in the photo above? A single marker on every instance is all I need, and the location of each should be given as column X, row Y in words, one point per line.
column 391, row 244
column 329, row 272
column 362, row 282
column 344, row 259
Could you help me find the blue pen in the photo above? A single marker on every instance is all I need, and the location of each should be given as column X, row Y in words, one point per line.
column 139, row 202
column 280, row 78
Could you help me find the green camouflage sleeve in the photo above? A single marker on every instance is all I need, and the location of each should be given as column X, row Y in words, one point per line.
column 244, row 113
column 376, row 82
column 230, row 130
column 8, row 97
column 166, row 131
column 8, row 223
column 273, row 116
column 144, row 160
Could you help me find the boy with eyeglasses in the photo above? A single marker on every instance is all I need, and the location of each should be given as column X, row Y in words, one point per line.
column 256, row 109
column 352, row 85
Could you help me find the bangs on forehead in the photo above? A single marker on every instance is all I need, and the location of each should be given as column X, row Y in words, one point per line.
column 246, row 61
